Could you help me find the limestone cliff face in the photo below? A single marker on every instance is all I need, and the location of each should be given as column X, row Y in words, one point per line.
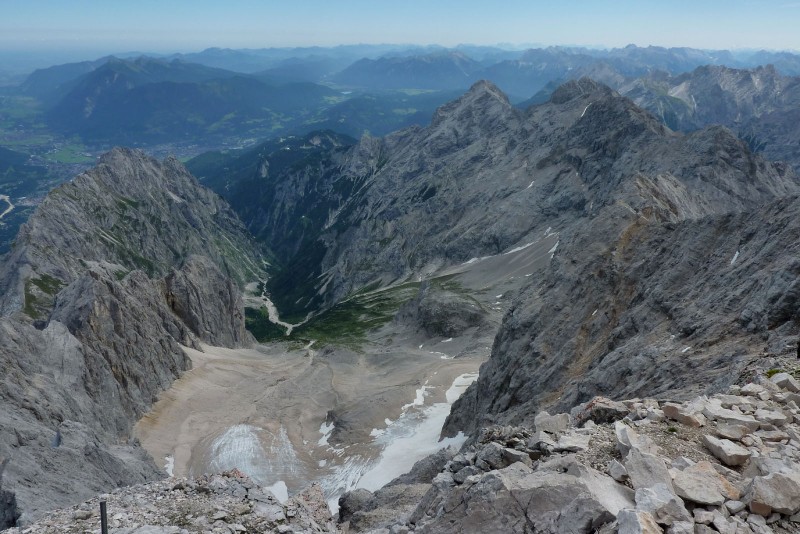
column 760, row 104
column 101, row 291
column 190, row 288
column 485, row 177
column 131, row 211
column 645, row 304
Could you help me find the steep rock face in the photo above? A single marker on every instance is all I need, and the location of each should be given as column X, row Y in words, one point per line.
column 189, row 289
column 68, row 405
column 484, row 176
column 130, row 210
column 761, row 104
column 97, row 340
column 663, row 310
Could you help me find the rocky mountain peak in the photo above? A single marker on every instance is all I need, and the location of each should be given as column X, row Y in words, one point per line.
column 579, row 88
column 483, row 102
column 131, row 212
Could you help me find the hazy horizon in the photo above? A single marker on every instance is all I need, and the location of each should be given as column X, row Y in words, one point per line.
column 150, row 26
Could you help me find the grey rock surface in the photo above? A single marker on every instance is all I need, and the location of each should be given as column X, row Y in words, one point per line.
column 226, row 502
column 563, row 492
column 761, row 104
column 197, row 282
column 130, row 212
column 93, row 333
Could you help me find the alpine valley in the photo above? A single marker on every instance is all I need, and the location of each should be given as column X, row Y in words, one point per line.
column 575, row 313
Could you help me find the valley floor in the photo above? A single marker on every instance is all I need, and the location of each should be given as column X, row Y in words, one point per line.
column 290, row 417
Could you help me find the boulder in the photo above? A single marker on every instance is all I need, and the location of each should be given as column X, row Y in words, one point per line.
column 491, row 456
column 726, row 451
column 734, row 507
column 786, row 381
column 714, row 411
column 732, row 431
column 424, row 470
column 752, row 389
column 635, row 522
column 700, row 483
column 627, row 439
column 572, row 442
column 600, row 410
column 776, row 492
column 560, row 496
column 551, row 423
column 462, row 474
column 512, row 456
column 702, row 516
column 680, row 413
column 617, row 471
column 722, row 524
column 772, row 417
column 646, row 470
column 666, row 507
column 541, row 441
column 681, row 527
column 772, row 435
column 353, row 501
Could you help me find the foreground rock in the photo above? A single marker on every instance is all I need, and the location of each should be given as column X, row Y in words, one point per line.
column 226, row 503
column 646, row 473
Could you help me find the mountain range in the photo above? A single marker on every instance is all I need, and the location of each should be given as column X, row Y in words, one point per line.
column 645, row 241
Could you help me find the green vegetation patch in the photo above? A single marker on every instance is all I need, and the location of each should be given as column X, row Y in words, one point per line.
column 32, row 303
column 345, row 324
column 47, row 284
column 35, row 300
column 257, row 323
column 74, row 153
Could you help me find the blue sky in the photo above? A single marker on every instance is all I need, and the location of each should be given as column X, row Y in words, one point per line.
column 182, row 25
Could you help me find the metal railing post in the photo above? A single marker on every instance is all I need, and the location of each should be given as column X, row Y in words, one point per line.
column 103, row 518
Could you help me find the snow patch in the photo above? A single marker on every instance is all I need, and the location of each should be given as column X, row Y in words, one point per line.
column 415, row 436
column 552, row 251
column 325, row 429
column 685, row 349
column 735, row 257
column 169, row 466
column 419, row 400
column 448, row 340
column 280, row 491
column 459, row 386
column 531, row 184
column 175, row 197
column 517, row 249
column 584, row 110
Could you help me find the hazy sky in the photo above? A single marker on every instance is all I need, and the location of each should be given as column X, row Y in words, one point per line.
column 189, row 25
